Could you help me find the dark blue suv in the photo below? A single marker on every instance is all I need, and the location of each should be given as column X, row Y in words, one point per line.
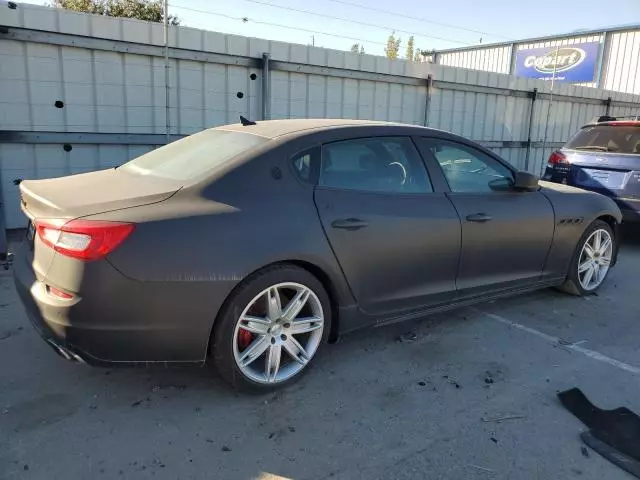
column 604, row 156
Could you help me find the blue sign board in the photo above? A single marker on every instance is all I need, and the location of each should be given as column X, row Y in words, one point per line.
column 571, row 63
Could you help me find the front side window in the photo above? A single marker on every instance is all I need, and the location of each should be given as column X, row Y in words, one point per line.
column 195, row 155
column 375, row 164
column 470, row 170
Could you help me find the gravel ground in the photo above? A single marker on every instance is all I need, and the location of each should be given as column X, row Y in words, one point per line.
column 371, row 407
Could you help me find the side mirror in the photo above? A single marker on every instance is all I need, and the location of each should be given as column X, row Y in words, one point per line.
column 526, row 181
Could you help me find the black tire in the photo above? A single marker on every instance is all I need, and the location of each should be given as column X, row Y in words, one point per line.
column 224, row 328
column 572, row 284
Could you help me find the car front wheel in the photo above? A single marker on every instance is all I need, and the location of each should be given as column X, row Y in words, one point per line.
column 271, row 328
column 592, row 260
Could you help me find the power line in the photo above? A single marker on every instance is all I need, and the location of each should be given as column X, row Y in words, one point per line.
column 247, row 19
column 419, row 19
column 357, row 22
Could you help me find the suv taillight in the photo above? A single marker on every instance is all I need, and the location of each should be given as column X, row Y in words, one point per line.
column 556, row 158
column 82, row 239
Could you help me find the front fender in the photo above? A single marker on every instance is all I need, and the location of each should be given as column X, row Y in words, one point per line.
column 574, row 211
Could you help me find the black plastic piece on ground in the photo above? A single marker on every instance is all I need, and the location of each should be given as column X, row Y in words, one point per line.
column 614, row 456
column 618, row 428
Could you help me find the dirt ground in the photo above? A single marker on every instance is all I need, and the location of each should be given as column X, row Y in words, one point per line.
column 370, row 408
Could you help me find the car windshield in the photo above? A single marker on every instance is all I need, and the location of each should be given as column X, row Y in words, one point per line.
column 607, row 138
column 194, row 155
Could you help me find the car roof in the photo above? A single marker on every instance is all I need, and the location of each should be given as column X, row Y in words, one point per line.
column 278, row 128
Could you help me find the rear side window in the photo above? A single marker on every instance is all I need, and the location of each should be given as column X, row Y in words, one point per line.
column 305, row 164
column 376, row 164
column 607, row 138
column 195, row 155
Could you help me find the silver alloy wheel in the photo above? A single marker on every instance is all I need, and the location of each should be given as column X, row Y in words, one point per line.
column 285, row 338
column 595, row 259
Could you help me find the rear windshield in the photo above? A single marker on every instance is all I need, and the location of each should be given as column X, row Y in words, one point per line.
column 607, row 138
column 193, row 156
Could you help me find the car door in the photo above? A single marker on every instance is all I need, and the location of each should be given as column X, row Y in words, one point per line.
column 506, row 234
column 397, row 241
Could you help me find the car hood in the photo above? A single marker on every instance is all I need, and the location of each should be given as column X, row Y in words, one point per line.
column 561, row 188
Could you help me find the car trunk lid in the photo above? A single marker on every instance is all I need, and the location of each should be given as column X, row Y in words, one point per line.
column 91, row 193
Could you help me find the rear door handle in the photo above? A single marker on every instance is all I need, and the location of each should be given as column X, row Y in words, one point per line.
column 479, row 218
column 349, row 224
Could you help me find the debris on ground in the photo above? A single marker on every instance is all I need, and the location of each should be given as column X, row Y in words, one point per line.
column 140, row 402
column 408, row 337
column 226, row 449
column 503, row 418
column 494, row 439
column 584, row 451
column 478, row 467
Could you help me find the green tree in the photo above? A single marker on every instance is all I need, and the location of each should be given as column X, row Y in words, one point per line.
column 149, row 10
column 357, row 48
column 410, row 49
column 393, row 46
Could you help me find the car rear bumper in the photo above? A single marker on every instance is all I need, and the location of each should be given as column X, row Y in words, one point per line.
column 118, row 320
column 46, row 317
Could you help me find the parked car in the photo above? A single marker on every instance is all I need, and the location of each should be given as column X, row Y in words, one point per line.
column 254, row 244
column 603, row 156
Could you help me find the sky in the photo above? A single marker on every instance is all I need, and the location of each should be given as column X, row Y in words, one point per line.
column 437, row 24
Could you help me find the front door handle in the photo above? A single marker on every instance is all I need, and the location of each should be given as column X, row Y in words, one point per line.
column 349, row 224
column 479, row 218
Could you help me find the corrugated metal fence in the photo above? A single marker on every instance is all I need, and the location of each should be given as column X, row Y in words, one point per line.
column 82, row 92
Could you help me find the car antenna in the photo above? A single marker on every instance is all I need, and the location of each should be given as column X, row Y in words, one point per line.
column 246, row 122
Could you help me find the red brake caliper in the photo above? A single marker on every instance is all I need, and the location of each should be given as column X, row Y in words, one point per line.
column 244, row 338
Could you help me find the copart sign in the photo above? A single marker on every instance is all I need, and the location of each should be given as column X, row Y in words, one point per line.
column 571, row 63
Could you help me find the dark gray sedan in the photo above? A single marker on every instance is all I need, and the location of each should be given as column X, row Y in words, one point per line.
column 254, row 244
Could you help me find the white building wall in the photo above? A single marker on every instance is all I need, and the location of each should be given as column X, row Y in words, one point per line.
column 495, row 59
column 622, row 68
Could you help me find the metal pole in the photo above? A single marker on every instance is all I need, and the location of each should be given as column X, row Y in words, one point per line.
column 607, row 106
column 603, row 58
column 534, row 94
column 512, row 58
column 266, row 87
column 546, row 125
column 167, row 89
column 427, row 100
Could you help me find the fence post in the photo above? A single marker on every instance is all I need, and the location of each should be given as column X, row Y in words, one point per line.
column 427, row 101
column 167, row 88
column 607, row 103
column 266, row 87
column 533, row 94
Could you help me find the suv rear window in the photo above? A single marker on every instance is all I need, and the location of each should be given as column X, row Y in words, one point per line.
column 607, row 138
column 195, row 155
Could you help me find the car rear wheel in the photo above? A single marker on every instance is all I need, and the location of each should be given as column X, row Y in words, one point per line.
column 592, row 260
column 271, row 328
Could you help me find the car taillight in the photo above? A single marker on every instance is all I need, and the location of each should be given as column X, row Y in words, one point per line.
column 556, row 158
column 83, row 239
